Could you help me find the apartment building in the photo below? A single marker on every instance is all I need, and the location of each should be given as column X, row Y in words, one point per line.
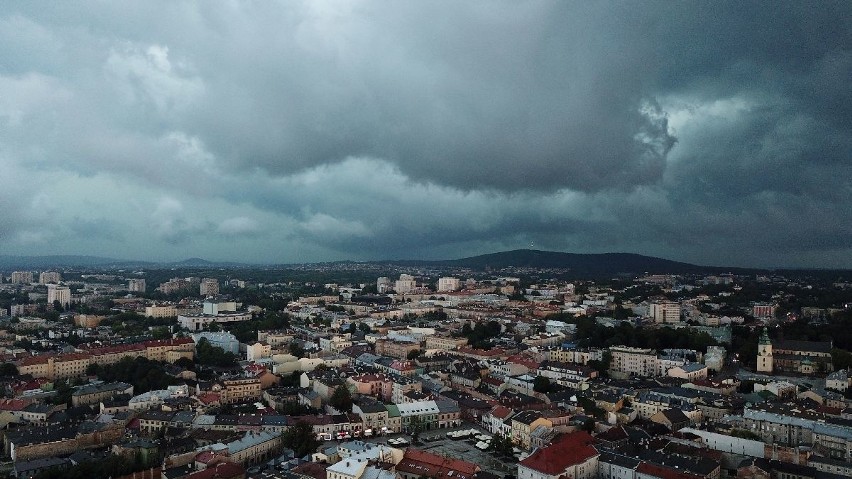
column 240, row 390
column 161, row 311
column 633, row 361
column 395, row 349
column 21, row 277
column 47, row 277
column 444, row 343
column 61, row 294
column 405, row 284
column 208, row 287
column 664, row 312
column 136, row 285
column 448, row 284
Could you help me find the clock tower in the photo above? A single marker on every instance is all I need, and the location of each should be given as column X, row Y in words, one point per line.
column 764, row 353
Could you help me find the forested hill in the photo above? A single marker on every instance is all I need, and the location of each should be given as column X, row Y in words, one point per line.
column 603, row 264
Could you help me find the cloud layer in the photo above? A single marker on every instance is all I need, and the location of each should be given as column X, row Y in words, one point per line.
column 306, row 131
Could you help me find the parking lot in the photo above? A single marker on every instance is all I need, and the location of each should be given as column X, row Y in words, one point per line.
column 436, row 441
column 464, row 450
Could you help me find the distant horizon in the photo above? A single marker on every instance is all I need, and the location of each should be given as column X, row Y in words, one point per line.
column 168, row 262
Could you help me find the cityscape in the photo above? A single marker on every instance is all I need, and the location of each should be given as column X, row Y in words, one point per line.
column 429, row 370
column 314, row 239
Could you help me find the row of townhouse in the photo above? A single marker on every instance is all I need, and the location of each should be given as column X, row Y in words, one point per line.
column 573, row 355
column 40, row 441
column 69, row 365
column 27, row 410
column 794, row 427
column 522, row 427
column 385, row 387
column 567, row 374
column 649, row 403
column 578, row 456
column 409, row 417
column 367, row 418
column 646, row 362
column 252, row 448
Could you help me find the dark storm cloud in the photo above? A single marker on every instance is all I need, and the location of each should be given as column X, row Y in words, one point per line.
column 707, row 132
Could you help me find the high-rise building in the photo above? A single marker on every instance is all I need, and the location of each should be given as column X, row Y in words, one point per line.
column 405, row 284
column 136, row 285
column 664, row 311
column 22, row 277
column 209, row 287
column 59, row 293
column 763, row 311
column 175, row 285
column 383, row 285
column 448, row 284
column 47, row 277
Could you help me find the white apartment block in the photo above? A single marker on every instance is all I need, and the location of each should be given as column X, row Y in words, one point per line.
column 59, row 293
column 136, row 285
column 21, row 277
column 448, row 284
column 664, row 311
column 160, row 311
column 258, row 351
column 197, row 322
column 633, row 361
column 209, row 287
column 405, row 284
column 47, row 277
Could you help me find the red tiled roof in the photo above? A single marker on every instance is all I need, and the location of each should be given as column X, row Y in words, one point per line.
column 13, row 404
column 529, row 363
column 146, row 474
column 204, row 457
column 664, row 472
column 312, row 469
column 482, row 352
column 501, row 412
column 33, row 360
column 424, row 463
column 492, row 381
column 612, row 435
column 225, row 470
column 208, row 398
column 29, row 385
column 568, row 450
column 167, row 342
column 115, row 349
column 71, row 357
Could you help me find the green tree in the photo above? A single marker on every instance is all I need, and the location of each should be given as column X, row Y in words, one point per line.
column 541, row 384
column 341, row 399
column 301, row 439
column 211, row 355
column 297, row 350
column 8, row 369
column 841, row 359
column 185, row 363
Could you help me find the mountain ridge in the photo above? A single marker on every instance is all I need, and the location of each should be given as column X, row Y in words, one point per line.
column 593, row 264
column 582, row 264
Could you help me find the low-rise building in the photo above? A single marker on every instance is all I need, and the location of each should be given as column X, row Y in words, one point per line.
column 572, row 455
column 95, row 393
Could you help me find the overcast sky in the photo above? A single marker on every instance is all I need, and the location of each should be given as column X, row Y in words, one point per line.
column 709, row 132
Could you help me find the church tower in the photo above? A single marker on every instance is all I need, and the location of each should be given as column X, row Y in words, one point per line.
column 764, row 353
